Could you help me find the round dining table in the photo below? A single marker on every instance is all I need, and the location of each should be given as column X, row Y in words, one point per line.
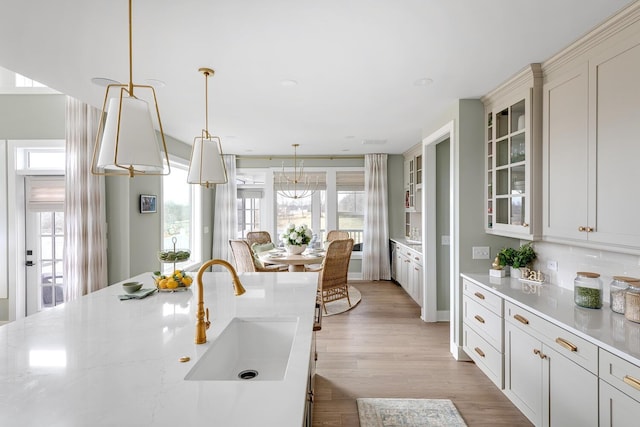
column 296, row 263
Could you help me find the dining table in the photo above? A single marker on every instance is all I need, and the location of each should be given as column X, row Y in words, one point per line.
column 296, row 262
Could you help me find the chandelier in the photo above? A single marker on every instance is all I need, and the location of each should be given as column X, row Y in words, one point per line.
column 126, row 142
column 298, row 185
column 207, row 164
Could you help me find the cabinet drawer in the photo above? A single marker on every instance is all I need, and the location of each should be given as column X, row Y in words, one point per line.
column 487, row 358
column 564, row 342
column 486, row 298
column 616, row 408
column 623, row 375
column 483, row 321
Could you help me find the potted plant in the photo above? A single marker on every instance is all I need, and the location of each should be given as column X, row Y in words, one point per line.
column 523, row 257
column 296, row 237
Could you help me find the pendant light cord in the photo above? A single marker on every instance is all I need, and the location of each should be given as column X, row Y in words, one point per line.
column 130, row 52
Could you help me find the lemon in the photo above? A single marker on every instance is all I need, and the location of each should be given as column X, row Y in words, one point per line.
column 172, row 284
column 186, row 280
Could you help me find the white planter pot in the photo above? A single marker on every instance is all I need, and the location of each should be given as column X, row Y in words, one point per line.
column 295, row 249
column 516, row 273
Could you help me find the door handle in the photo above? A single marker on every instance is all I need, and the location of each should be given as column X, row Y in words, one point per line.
column 29, row 264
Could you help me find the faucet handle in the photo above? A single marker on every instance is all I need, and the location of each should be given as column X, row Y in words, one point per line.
column 207, row 323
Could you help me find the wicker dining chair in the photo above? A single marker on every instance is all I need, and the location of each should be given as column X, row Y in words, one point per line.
column 332, row 280
column 337, row 235
column 245, row 258
column 259, row 237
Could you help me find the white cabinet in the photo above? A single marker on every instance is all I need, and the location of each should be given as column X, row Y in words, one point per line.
column 407, row 270
column 619, row 391
column 513, row 156
column 590, row 147
column 482, row 330
column 550, row 373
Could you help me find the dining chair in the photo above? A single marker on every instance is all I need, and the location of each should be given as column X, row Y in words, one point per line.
column 332, row 280
column 337, row 234
column 259, row 237
column 246, row 261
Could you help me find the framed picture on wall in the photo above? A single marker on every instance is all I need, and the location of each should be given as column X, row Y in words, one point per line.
column 147, row 203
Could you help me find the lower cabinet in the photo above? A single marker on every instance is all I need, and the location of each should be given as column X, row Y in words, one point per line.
column 407, row 270
column 550, row 389
column 619, row 391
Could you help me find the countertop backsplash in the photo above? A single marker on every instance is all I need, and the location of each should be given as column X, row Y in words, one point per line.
column 571, row 259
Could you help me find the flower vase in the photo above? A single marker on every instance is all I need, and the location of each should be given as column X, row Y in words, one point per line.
column 295, row 249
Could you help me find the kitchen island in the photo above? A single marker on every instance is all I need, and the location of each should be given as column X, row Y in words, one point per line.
column 101, row 361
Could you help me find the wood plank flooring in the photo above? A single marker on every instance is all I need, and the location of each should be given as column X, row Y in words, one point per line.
column 381, row 348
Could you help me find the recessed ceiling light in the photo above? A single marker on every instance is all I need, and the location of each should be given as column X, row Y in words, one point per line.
column 425, row 81
column 103, row 81
column 288, row 83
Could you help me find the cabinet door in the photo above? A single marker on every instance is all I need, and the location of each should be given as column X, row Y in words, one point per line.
column 616, row 408
column 416, row 282
column 616, row 95
column 565, row 154
column 523, row 372
column 571, row 395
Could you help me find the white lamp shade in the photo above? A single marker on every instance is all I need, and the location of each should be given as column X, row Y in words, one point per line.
column 136, row 143
column 207, row 164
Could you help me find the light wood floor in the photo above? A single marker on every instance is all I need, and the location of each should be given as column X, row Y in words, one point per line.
column 381, row 348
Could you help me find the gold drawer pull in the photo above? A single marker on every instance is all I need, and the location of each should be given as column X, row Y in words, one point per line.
column 521, row 319
column 479, row 295
column 480, row 352
column 479, row 318
column 566, row 344
column 635, row 383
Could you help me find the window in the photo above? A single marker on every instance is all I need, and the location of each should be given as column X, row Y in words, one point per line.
column 248, row 211
column 181, row 215
column 351, row 204
column 308, row 210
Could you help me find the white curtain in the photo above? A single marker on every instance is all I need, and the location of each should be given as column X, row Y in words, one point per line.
column 85, row 249
column 225, row 223
column 375, row 247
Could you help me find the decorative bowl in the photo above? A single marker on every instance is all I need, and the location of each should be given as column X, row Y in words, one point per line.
column 131, row 287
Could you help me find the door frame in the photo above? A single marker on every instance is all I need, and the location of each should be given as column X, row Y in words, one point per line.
column 429, row 237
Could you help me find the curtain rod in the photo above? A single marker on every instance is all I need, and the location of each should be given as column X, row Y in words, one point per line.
column 243, row 157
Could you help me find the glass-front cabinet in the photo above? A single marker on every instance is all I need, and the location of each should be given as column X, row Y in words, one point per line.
column 512, row 153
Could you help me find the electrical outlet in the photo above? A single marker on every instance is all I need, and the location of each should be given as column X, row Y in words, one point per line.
column 445, row 240
column 480, row 252
column 552, row 265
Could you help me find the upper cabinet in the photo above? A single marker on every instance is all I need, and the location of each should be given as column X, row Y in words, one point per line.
column 513, row 156
column 591, row 107
column 413, row 179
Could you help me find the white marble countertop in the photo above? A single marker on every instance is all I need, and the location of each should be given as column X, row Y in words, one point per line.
column 411, row 244
column 99, row 361
column 603, row 327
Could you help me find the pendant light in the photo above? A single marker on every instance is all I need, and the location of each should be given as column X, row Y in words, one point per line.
column 126, row 142
column 298, row 185
column 207, row 164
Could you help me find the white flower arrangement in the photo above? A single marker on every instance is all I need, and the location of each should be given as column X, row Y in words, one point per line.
column 296, row 235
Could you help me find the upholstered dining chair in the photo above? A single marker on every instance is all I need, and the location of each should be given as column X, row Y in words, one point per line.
column 246, row 261
column 260, row 237
column 332, row 280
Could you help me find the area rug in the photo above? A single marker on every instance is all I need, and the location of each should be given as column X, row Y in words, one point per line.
column 408, row 412
column 341, row 305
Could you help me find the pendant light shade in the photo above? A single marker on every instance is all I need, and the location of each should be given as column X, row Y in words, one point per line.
column 207, row 166
column 129, row 138
column 126, row 142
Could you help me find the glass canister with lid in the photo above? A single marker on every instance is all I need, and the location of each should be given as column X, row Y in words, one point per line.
column 617, row 290
column 632, row 302
column 587, row 290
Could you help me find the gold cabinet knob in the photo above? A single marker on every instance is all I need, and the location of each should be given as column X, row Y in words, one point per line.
column 581, row 228
column 524, row 224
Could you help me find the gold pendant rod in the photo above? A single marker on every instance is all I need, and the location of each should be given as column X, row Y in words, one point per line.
column 130, row 51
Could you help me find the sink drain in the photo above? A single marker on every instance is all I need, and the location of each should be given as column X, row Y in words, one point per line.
column 249, row 374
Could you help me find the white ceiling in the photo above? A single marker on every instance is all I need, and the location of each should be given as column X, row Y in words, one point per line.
column 356, row 61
